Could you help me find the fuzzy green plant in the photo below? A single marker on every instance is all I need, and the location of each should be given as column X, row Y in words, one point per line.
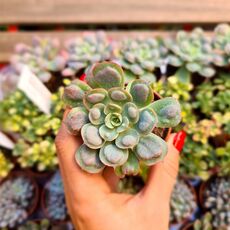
column 216, row 200
column 5, row 165
column 116, row 122
column 182, row 203
column 43, row 57
column 221, row 43
column 140, row 57
column 205, row 223
column 86, row 50
column 17, row 195
column 192, row 52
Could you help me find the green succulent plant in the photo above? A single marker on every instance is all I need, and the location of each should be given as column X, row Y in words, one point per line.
column 43, row 57
column 205, row 223
column 216, row 200
column 43, row 224
column 221, row 43
column 192, row 52
column 182, row 203
column 140, row 57
column 116, row 122
column 5, row 165
column 85, row 51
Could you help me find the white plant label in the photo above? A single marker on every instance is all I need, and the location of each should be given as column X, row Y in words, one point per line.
column 5, row 141
column 35, row 90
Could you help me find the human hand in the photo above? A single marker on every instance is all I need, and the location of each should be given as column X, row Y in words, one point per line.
column 93, row 203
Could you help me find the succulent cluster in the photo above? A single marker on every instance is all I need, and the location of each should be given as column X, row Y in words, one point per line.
column 15, row 200
column 182, row 203
column 55, row 198
column 205, row 223
column 43, row 57
column 216, row 200
column 140, row 57
column 5, row 165
column 117, row 122
column 192, row 51
column 43, row 224
column 85, row 51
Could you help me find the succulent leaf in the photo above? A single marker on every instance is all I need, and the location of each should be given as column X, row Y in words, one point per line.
column 151, row 149
column 119, row 96
column 96, row 114
column 168, row 112
column 108, row 134
column 88, row 159
column 131, row 111
column 112, row 108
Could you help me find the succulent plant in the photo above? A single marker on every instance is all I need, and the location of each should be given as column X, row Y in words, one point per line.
column 216, row 200
column 221, row 43
column 43, row 57
column 43, row 224
column 5, row 165
column 193, row 51
column 116, row 122
column 182, row 203
column 140, row 57
column 86, row 50
column 204, row 223
column 55, row 198
column 17, row 195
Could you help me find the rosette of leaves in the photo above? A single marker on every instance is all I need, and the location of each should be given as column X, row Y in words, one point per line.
column 55, row 198
column 16, row 197
column 221, row 43
column 43, row 57
column 192, row 52
column 205, row 223
column 41, row 154
column 86, row 50
column 182, row 203
column 140, row 57
column 117, row 122
column 216, row 200
column 5, row 165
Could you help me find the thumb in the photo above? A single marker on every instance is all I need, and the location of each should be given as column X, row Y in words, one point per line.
column 162, row 176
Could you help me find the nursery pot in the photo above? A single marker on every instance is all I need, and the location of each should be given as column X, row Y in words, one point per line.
column 16, row 174
column 39, row 175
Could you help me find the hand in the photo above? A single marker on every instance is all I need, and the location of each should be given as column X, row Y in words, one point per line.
column 93, row 203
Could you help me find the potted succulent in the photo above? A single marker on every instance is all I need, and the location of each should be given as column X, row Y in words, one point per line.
column 214, row 197
column 18, row 200
column 53, row 200
column 183, row 203
column 117, row 122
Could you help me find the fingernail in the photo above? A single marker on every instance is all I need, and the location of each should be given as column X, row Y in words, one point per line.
column 82, row 77
column 179, row 140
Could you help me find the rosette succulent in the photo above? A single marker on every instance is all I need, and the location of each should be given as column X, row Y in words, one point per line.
column 140, row 57
column 221, row 43
column 117, row 122
column 193, row 51
column 86, row 50
column 43, row 57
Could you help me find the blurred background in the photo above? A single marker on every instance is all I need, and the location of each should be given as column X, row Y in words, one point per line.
column 182, row 48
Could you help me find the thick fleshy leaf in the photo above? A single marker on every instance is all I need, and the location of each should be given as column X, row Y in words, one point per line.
column 119, row 95
column 148, row 77
column 151, row 149
column 95, row 96
column 88, row 159
column 113, row 156
column 105, row 75
column 131, row 167
column 141, row 92
column 147, row 121
column 91, row 137
column 136, row 69
column 124, row 125
column 76, row 118
column 131, row 111
column 113, row 120
column 168, row 112
column 108, row 134
column 127, row 139
column 112, row 108
column 74, row 93
column 207, row 72
column 96, row 114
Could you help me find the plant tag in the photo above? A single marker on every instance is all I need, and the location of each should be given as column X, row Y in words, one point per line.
column 5, row 141
column 35, row 90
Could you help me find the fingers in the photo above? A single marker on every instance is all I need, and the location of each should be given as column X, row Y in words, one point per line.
column 162, row 176
column 80, row 185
